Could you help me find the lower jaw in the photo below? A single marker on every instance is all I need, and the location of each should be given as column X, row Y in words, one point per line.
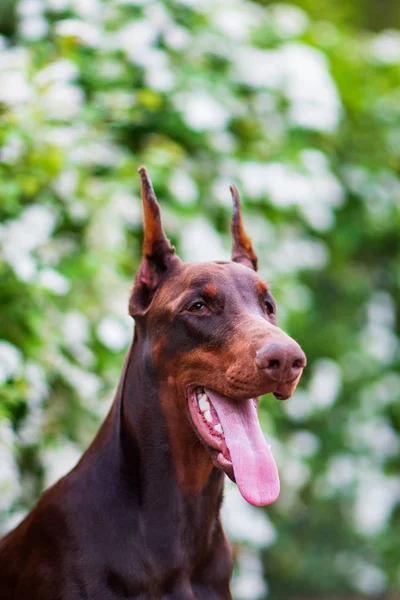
column 215, row 444
column 226, row 465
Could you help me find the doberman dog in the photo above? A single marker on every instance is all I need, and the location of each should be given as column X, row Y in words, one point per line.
column 138, row 517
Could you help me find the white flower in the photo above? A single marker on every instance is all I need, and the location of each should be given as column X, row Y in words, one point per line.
column 105, row 231
column 176, row 37
column 385, row 47
column 377, row 496
column 24, row 266
column 316, row 193
column 100, row 152
column 182, row 187
column 31, row 429
column 235, row 22
column 29, row 8
column 65, row 137
column 117, row 101
column 86, row 384
column 301, row 73
column 265, row 70
column 198, row 5
column 315, row 102
column 12, row 149
column 86, row 33
column 341, row 472
column 294, row 473
column 223, row 141
column 376, row 435
column 66, row 184
column 136, row 39
column 382, row 309
column 160, row 78
column 158, row 16
column 59, row 71
column 33, row 28
column 20, row 237
column 380, row 342
column 133, row 2
column 10, row 361
column 54, row 281
column 200, row 242
column 37, row 385
column 58, row 461
column 58, row 5
column 288, row 20
column 113, row 334
column 76, row 333
column 250, row 583
column 89, row 9
column 364, row 576
column 299, row 407
column 17, row 58
column 221, row 193
column 62, row 101
column 303, row 443
column 379, row 337
column 202, row 112
column 369, row 579
column 9, row 475
column 37, row 224
column 315, row 161
column 294, row 253
column 385, row 391
column 325, row 383
column 75, row 329
column 126, row 205
column 14, row 88
column 245, row 523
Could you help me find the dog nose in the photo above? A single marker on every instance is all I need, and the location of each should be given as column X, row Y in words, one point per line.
column 283, row 361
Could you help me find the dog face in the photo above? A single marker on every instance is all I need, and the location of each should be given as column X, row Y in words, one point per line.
column 218, row 320
column 214, row 341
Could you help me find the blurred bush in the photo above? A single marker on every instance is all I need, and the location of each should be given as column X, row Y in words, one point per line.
column 305, row 117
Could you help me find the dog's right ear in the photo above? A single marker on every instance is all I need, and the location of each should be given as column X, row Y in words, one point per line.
column 158, row 255
column 242, row 251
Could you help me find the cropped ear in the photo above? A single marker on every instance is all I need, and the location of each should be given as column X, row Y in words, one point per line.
column 242, row 249
column 159, row 256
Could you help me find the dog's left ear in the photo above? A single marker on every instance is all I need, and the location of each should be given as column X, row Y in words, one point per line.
column 242, row 249
column 159, row 256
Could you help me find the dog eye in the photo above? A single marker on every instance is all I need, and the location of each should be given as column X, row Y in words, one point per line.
column 198, row 307
column 269, row 307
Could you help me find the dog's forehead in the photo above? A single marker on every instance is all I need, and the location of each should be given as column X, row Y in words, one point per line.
column 214, row 278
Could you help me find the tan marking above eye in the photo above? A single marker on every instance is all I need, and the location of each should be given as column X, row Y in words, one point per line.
column 261, row 286
column 210, row 289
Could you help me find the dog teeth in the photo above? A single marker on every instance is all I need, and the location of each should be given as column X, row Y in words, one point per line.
column 202, row 400
column 205, row 408
column 207, row 416
column 203, row 403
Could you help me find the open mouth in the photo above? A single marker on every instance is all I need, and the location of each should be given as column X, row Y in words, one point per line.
column 231, row 431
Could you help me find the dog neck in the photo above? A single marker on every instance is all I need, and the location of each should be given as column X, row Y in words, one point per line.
column 153, row 459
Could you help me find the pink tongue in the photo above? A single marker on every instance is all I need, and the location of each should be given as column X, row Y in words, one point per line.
column 254, row 466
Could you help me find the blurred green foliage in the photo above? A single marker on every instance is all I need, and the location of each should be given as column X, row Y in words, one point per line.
column 360, row 14
column 303, row 113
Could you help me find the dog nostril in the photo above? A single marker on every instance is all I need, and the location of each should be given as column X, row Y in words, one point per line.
column 273, row 364
column 298, row 363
